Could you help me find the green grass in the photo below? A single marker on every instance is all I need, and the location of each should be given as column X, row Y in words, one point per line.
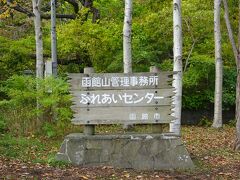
column 30, row 149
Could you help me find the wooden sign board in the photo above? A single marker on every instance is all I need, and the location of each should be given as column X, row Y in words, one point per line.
column 116, row 81
column 122, row 98
column 119, row 115
column 138, row 98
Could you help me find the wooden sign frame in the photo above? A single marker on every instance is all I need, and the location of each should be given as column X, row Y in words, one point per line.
column 117, row 98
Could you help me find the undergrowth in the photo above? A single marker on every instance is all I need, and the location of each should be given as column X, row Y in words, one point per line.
column 30, row 149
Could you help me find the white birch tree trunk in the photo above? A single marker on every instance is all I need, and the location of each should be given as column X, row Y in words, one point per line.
column 127, row 40
column 53, row 38
column 229, row 28
column 175, row 126
column 127, row 29
column 237, row 60
column 39, row 51
column 237, row 113
column 38, row 38
column 217, row 121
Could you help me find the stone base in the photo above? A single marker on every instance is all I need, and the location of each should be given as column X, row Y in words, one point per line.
column 143, row 152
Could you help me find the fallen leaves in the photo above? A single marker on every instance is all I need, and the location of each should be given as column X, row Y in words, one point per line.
column 210, row 148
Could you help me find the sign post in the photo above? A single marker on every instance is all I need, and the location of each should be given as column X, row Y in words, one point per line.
column 118, row 98
column 156, row 128
column 89, row 129
column 115, row 98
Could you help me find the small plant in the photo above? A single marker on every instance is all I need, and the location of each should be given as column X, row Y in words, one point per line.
column 48, row 129
column 3, row 126
column 232, row 123
column 53, row 162
column 205, row 122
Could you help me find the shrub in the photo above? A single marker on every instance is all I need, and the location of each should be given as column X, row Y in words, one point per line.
column 3, row 126
column 20, row 111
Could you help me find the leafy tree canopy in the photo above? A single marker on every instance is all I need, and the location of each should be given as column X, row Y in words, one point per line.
column 84, row 43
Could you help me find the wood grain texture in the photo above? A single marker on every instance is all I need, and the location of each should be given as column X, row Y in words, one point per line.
column 150, row 97
column 119, row 115
column 164, row 80
column 103, row 102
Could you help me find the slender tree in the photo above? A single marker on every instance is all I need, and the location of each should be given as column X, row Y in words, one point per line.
column 127, row 29
column 127, row 43
column 175, row 126
column 38, row 37
column 236, row 52
column 39, row 48
column 217, row 122
column 237, row 143
column 53, row 37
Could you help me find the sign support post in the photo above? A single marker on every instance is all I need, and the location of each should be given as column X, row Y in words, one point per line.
column 89, row 129
column 156, row 128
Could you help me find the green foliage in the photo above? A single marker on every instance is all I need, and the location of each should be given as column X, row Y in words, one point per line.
column 82, row 44
column 54, row 163
column 232, row 123
column 19, row 108
column 205, row 122
column 100, row 44
column 229, row 87
column 14, row 56
column 31, row 149
column 166, row 65
column 13, row 147
column 198, row 82
column 94, row 44
column 49, row 130
column 3, row 126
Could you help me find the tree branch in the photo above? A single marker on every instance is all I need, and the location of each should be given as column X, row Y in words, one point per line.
column 193, row 44
column 189, row 55
column 22, row 10
column 43, row 15
column 74, row 4
column 96, row 14
column 230, row 32
column 39, row 3
column 61, row 16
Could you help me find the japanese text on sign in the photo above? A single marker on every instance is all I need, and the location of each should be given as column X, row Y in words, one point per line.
column 125, row 98
column 120, row 81
column 144, row 116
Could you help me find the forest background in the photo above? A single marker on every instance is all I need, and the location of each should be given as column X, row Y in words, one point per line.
column 82, row 43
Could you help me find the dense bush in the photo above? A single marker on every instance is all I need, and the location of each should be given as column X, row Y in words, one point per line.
column 19, row 110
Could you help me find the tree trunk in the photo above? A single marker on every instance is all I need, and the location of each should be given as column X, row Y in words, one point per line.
column 127, row 46
column 237, row 60
column 217, row 122
column 53, row 37
column 237, row 113
column 39, row 52
column 229, row 28
column 38, row 38
column 175, row 126
column 127, row 28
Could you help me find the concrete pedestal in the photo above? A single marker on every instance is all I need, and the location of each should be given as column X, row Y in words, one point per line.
column 143, row 152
